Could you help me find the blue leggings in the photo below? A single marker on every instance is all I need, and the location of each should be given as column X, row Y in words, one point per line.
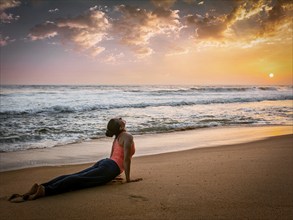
column 99, row 174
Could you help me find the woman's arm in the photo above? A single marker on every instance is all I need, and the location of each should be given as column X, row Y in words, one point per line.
column 127, row 143
column 112, row 150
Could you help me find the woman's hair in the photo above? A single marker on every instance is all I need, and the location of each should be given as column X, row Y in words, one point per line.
column 113, row 128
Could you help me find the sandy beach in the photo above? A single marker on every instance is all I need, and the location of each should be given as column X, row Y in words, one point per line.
column 240, row 181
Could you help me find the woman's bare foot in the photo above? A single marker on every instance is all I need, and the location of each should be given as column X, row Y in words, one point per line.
column 32, row 191
column 15, row 198
column 39, row 193
column 22, row 198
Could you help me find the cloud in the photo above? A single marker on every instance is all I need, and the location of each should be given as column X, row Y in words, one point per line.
column 248, row 21
column 279, row 17
column 53, row 10
column 43, row 31
column 83, row 33
column 245, row 10
column 6, row 18
column 247, row 24
column 207, row 27
column 137, row 26
column 5, row 40
column 261, row 19
column 8, row 4
column 96, row 51
column 112, row 58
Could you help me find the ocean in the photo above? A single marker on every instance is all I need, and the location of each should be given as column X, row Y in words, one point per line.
column 46, row 116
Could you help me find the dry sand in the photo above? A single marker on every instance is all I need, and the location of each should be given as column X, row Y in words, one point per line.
column 244, row 181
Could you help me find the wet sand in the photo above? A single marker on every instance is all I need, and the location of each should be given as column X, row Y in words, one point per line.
column 251, row 180
column 147, row 144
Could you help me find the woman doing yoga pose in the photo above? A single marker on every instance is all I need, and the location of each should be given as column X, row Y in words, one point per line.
column 100, row 173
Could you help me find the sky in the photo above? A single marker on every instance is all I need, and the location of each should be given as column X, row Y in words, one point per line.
column 209, row 42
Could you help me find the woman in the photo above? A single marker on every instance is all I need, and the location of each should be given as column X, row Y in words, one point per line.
column 100, row 173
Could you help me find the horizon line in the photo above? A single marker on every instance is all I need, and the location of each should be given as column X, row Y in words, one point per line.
column 106, row 84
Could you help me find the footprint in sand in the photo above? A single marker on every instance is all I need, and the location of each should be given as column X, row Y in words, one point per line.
column 138, row 198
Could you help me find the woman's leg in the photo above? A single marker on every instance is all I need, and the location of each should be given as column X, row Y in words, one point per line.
column 59, row 178
column 99, row 174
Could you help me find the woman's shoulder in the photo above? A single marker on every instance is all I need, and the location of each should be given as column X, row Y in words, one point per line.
column 125, row 136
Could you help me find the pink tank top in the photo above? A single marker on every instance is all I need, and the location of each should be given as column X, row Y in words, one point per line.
column 118, row 154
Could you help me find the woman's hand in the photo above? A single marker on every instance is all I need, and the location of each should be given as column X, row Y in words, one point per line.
column 121, row 180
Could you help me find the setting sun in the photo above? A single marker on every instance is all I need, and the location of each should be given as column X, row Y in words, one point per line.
column 271, row 75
